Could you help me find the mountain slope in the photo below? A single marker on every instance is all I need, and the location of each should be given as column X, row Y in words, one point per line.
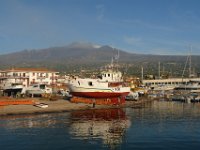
column 79, row 55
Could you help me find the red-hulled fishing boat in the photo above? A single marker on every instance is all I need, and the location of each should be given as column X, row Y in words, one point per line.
column 108, row 88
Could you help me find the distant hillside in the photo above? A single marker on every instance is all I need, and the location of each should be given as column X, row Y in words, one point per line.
column 84, row 55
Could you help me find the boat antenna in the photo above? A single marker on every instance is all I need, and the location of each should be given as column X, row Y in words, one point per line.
column 117, row 58
column 111, row 63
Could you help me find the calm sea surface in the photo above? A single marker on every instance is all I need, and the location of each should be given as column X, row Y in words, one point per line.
column 158, row 125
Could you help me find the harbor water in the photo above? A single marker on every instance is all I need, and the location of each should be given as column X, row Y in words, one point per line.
column 156, row 125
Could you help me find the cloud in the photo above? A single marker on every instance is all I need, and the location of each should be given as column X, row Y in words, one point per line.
column 2, row 37
column 132, row 40
column 165, row 51
column 160, row 46
column 187, row 18
column 149, row 25
column 100, row 12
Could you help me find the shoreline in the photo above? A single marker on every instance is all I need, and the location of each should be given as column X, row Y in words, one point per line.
column 62, row 105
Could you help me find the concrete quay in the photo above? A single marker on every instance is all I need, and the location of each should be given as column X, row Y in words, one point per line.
column 62, row 105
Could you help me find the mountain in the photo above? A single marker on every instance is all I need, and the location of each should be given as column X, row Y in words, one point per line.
column 86, row 55
column 74, row 53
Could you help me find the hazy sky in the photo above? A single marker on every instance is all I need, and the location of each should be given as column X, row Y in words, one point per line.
column 138, row 26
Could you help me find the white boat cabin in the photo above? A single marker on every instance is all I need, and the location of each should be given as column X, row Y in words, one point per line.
column 111, row 76
column 105, row 80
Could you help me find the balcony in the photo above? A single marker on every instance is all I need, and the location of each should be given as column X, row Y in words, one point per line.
column 3, row 77
column 41, row 77
column 14, row 77
column 54, row 78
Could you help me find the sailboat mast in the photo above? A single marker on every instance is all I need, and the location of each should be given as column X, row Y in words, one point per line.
column 142, row 75
column 159, row 70
column 190, row 62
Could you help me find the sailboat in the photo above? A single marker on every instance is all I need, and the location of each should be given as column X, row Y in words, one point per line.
column 193, row 85
column 190, row 90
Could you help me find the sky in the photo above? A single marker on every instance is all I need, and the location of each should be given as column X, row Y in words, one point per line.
column 163, row 27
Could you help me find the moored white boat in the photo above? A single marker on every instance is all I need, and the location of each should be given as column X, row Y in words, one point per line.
column 191, row 86
column 12, row 88
column 36, row 89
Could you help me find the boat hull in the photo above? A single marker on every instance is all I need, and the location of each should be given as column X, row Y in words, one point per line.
column 100, row 94
column 99, row 101
column 99, row 91
column 95, row 92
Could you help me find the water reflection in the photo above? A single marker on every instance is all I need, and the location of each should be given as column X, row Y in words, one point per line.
column 109, row 125
column 159, row 125
column 172, row 121
column 174, row 110
column 33, row 121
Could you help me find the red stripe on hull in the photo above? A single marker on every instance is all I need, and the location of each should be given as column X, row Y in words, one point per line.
column 99, row 94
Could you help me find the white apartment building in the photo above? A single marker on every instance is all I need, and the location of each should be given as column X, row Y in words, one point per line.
column 28, row 76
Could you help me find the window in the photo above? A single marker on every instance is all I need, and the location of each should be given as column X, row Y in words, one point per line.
column 90, row 83
column 35, row 86
column 14, row 74
column 108, row 75
column 42, row 86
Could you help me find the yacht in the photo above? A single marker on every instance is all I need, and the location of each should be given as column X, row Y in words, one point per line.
column 191, row 86
column 11, row 89
column 37, row 89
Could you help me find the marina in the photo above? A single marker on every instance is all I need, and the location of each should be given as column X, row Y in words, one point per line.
column 107, row 110
column 47, row 89
column 103, row 110
column 99, row 75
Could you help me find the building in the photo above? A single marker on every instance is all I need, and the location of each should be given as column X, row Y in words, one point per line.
column 28, row 76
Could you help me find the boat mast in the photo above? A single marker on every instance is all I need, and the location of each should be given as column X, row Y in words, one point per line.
column 117, row 58
column 142, row 76
column 112, row 63
column 190, row 62
column 189, row 58
column 184, row 68
column 159, row 70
